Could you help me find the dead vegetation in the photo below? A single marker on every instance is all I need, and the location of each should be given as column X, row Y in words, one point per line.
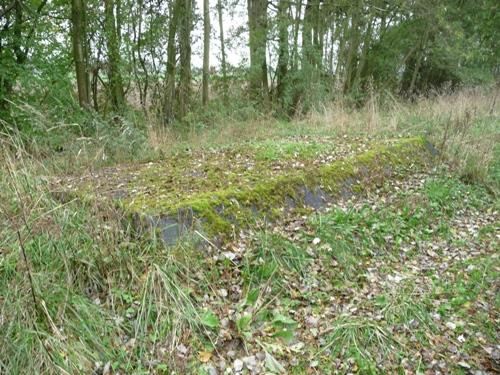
column 404, row 279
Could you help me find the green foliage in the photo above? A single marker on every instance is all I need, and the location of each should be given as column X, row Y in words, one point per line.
column 79, row 292
column 209, row 319
column 424, row 48
column 439, row 39
column 94, row 285
column 70, row 137
column 106, row 296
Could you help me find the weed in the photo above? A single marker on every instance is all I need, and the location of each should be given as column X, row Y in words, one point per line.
column 79, row 292
column 274, row 258
column 362, row 339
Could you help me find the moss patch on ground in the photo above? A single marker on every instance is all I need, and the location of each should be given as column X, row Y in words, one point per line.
column 234, row 187
column 189, row 173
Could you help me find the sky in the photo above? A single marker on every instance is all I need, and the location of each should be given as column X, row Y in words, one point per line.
column 235, row 19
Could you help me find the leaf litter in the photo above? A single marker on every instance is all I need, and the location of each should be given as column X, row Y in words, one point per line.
column 402, row 280
column 410, row 285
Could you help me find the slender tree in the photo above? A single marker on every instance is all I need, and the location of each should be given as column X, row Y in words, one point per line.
column 206, row 49
column 283, row 52
column 257, row 22
column 352, row 51
column 307, row 34
column 296, row 29
column 222, row 49
column 115, row 83
column 418, row 62
column 360, row 68
column 185, row 57
column 169, row 98
column 138, row 60
column 341, row 51
column 79, row 37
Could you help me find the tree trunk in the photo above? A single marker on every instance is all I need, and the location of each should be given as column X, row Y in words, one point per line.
column 206, row 50
column 311, row 40
column 78, row 12
column 364, row 53
column 352, row 52
column 168, row 108
column 307, row 35
column 334, row 35
column 137, row 58
column 257, row 22
column 119, row 21
column 295, row 53
column 283, row 53
column 340, row 54
column 94, row 83
column 318, row 35
column 418, row 63
column 185, row 57
column 222, row 50
column 116, row 91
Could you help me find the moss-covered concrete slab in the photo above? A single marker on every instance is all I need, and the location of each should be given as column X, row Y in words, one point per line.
column 216, row 191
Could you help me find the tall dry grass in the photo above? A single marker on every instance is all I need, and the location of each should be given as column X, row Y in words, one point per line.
column 79, row 292
column 463, row 125
column 70, row 273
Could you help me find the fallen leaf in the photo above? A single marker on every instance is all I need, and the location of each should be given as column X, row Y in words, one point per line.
column 204, row 357
column 451, row 325
column 463, row 364
column 238, row 365
column 272, row 364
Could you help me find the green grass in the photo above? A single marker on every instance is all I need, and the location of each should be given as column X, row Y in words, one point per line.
column 357, row 240
column 93, row 297
column 153, row 295
column 406, row 305
column 107, row 297
column 277, row 150
column 94, row 285
column 274, row 257
column 362, row 340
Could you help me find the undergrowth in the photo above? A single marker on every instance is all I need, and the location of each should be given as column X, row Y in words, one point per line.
column 79, row 292
column 75, row 285
column 463, row 125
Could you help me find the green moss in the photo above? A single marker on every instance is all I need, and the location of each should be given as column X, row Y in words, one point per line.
column 282, row 150
column 187, row 175
column 224, row 208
